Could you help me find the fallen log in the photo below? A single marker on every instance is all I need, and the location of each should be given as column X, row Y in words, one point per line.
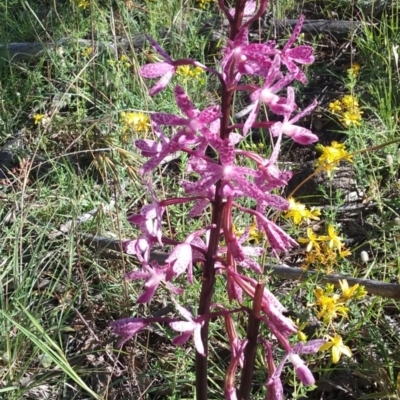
column 215, row 29
column 383, row 289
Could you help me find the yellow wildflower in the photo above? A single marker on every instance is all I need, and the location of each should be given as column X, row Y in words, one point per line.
column 335, row 107
column 334, row 241
column 350, row 102
column 136, row 121
column 300, row 334
column 347, row 292
column 360, row 292
column 331, row 156
column 338, row 348
column 38, row 118
column 354, row 70
column 352, row 117
column 203, row 4
column 84, row 4
column 335, row 152
column 125, row 61
column 237, row 232
column 311, row 257
column 344, row 252
column 197, row 71
column 329, row 307
column 87, row 52
column 187, row 72
column 312, row 239
column 299, row 213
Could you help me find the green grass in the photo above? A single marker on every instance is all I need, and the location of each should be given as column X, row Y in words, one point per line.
column 58, row 295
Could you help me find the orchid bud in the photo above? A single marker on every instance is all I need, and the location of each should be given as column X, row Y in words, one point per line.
column 274, row 389
column 389, row 160
column 302, row 371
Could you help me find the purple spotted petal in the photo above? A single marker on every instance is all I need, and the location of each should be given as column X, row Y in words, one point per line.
column 181, row 257
column 278, row 239
column 127, row 328
column 168, row 119
column 163, row 82
column 182, row 310
column 198, row 342
column 184, row 103
column 154, row 70
column 135, row 275
column 298, row 134
column 253, row 114
column 158, row 48
column 276, row 201
column 147, row 295
column 274, row 72
column 295, row 33
column 209, row 114
column 310, row 347
column 241, row 38
column 301, row 54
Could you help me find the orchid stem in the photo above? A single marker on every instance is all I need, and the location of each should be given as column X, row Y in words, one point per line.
column 207, row 291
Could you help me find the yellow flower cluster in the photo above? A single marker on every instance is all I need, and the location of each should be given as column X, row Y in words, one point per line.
column 136, row 121
column 299, row 212
column 87, row 52
column 354, row 70
column 203, row 4
column 323, row 251
column 313, row 241
column 331, row 156
column 187, row 72
column 124, row 60
column 332, row 305
column 347, row 109
column 83, row 4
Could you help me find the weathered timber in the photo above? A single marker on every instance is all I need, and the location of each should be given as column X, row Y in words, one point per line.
column 383, row 289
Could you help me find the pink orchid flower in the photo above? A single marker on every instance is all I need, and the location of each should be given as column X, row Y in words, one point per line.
column 150, row 217
column 248, row 58
column 267, row 94
column 127, row 328
column 165, row 69
column 154, row 275
column 196, row 120
column 157, row 151
column 287, row 127
column 192, row 326
column 300, row 54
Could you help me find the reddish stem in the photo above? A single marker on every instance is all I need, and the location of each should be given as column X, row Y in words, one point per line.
column 207, row 291
column 253, row 327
